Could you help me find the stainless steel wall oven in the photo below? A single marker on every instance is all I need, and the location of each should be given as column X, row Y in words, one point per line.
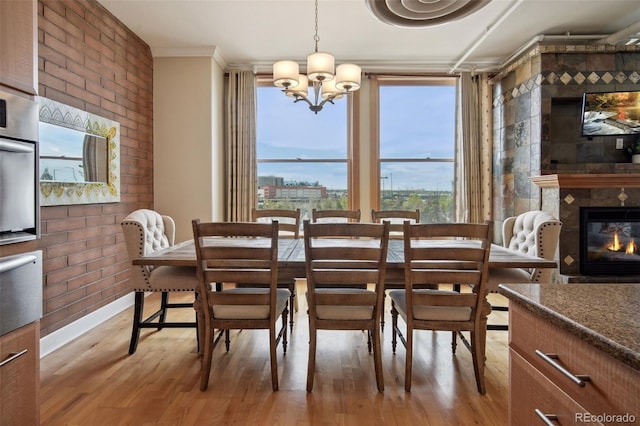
column 19, row 194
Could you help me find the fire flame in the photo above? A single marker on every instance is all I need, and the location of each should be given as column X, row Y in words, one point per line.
column 616, row 243
column 632, row 247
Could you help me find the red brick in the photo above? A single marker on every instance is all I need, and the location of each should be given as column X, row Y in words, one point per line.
column 89, row 60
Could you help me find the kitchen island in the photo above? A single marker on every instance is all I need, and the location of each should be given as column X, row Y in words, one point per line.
column 574, row 353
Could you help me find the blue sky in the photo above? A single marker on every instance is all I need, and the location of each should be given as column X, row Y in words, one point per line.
column 415, row 122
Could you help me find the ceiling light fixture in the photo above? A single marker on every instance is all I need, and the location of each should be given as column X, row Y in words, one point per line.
column 327, row 83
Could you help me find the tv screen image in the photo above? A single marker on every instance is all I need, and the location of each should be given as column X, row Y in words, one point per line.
column 611, row 113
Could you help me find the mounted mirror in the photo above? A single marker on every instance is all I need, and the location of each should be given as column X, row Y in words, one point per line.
column 79, row 156
column 69, row 155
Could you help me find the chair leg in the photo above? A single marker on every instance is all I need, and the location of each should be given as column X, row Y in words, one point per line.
column 384, row 296
column 207, row 354
column 200, row 332
column 394, row 325
column 164, row 301
column 477, row 354
column 272, row 354
column 454, row 341
column 138, row 307
column 311, row 366
column 377, row 359
column 408, row 360
column 293, row 301
column 227, row 340
column 284, row 330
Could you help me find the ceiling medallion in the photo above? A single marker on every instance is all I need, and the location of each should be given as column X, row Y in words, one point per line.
column 422, row 13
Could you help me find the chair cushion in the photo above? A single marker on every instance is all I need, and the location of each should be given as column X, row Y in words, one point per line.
column 172, row 278
column 343, row 312
column 251, row 311
column 506, row 275
column 433, row 313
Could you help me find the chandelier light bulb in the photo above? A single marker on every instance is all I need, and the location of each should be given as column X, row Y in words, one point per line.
column 302, row 89
column 348, row 77
column 330, row 91
column 285, row 74
column 320, row 66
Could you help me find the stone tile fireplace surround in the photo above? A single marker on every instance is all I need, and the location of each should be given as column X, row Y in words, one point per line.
column 540, row 160
column 564, row 194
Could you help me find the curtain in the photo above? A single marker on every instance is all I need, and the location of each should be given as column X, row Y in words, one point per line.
column 473, row 150
column 94, row 159
column 240, row 145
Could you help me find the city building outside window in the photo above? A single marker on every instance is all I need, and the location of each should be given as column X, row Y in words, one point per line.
column 302, row 156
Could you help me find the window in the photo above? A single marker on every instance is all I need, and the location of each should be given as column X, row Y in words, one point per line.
column 417, row 146
column 302, row 157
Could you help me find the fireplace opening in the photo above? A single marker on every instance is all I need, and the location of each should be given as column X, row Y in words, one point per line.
column 609, row 240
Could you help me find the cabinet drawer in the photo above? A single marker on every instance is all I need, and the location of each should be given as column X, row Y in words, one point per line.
column 20, row 376
column 612, row 386
column 531, row 395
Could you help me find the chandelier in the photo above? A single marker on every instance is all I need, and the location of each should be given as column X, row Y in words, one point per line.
column 327, row 83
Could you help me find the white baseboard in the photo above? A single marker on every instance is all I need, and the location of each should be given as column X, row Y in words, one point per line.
column 66, row 334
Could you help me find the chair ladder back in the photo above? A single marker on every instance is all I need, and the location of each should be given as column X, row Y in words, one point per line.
column 288, row 220
column 324, row 216
column 396, row 218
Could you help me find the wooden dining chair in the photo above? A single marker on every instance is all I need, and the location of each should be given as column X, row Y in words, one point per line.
column 288, row 220
column 396, row 219
column 289, row 226
column 323, row 216
column 238, row 252
column 447, row 259
column 146, row 231
column 338, row 257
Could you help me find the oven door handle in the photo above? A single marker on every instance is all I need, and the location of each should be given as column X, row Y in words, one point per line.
column 8, row 265
column 6, row 145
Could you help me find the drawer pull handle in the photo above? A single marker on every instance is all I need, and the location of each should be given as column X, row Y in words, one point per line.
column 578, row 379
column 13, row 356
column 547, row 419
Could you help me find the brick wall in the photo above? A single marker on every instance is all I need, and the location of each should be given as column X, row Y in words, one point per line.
column 91, row 61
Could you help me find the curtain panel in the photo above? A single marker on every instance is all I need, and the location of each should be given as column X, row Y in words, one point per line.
column 473, row 149
column 240, row 145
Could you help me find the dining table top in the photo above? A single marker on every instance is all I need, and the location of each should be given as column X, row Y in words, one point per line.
column 291, row 255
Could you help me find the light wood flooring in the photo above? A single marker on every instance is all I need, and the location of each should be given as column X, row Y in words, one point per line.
column 93, row 381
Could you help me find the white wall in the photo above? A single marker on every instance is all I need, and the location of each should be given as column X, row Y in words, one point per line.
column 188, row 140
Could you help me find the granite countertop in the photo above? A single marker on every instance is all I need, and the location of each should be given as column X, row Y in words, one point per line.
column 605, row 315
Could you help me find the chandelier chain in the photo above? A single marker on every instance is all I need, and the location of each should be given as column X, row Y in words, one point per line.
column 316, row 38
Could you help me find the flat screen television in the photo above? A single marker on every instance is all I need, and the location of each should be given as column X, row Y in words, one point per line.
column 611, row 113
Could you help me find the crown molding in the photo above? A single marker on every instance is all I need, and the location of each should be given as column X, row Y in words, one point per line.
column 206, row 51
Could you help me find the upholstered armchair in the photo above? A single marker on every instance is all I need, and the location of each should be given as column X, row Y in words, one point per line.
column 535, row 233
column 146, row 231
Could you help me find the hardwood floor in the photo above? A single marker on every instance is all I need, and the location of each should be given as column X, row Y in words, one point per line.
column 93, row 381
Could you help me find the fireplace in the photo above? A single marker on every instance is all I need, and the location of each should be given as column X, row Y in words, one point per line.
column 609, row 239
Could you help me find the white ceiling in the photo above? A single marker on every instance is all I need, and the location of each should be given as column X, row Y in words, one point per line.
column 258, row 32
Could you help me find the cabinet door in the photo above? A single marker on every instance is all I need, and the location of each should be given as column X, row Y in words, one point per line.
column 533, row 396
column 18, row 45
column 20, row 376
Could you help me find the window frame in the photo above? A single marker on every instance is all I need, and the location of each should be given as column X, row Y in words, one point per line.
column 352, row 150
column 376, row 162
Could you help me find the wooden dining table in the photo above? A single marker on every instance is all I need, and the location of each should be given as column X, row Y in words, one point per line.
column 291, row 258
